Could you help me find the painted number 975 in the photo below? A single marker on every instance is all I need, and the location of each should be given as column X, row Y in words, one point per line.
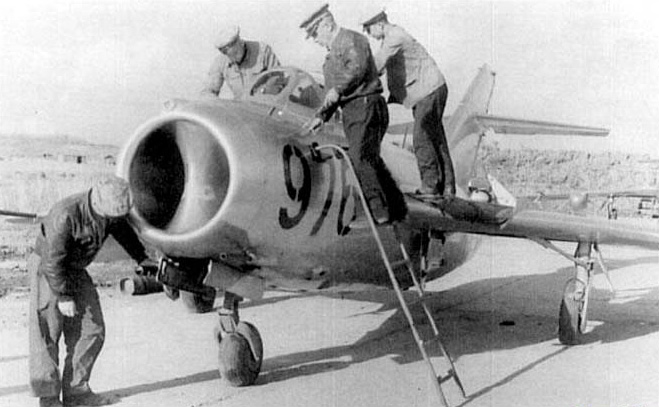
column 301, row 194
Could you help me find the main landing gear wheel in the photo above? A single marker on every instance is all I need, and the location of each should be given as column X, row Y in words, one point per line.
column 572, row 315
column 240, row 355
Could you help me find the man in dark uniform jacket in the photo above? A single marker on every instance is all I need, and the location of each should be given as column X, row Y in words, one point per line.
column 352, row 84
column 63, row 297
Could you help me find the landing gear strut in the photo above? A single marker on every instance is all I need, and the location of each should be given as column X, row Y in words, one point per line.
column 573, row 314
column 240, row 352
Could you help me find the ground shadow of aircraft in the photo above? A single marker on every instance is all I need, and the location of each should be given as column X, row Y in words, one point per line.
column 481, row 329
column 466, row 330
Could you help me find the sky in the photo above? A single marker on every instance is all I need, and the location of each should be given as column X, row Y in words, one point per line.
column 97, row 69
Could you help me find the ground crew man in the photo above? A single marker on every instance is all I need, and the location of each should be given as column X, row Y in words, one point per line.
column 238, row 63
column 414, row 80
column 353, row 85
column 63, row 297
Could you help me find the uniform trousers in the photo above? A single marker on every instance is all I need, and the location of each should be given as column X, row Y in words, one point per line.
column 83, row 333
column 365, row 121
column 430, row 145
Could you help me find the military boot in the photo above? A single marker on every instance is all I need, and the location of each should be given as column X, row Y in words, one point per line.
column 50, row 402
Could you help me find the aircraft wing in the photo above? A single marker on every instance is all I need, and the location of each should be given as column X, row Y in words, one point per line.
column 506, row 125
column 631, row 193
column 20, row 217
column 461, row 215
column 17, row 214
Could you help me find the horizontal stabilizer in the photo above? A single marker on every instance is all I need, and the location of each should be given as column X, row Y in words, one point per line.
column 505, row 125
column 637, row 193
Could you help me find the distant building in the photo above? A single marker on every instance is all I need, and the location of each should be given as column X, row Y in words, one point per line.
column 72, row 158
column 110, row 160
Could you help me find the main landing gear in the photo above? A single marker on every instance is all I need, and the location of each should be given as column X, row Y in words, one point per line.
column 573, row 314
column 240, row 353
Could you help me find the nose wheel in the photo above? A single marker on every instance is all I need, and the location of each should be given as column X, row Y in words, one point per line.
column 240, row 352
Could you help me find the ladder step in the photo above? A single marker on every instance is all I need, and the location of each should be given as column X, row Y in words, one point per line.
column 448, row 376
column 452, row 375
column 406, row 261
column 398, row 263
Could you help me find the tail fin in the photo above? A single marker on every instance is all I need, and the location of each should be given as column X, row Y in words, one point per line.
column 462, row 132
column 465, row 128
column 470, row 121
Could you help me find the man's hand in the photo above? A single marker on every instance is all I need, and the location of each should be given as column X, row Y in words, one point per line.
column 312, row 125
column 331, row 98
column 67, row 307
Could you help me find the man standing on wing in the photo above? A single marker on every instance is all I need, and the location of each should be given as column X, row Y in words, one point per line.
column 353, row 85
column 414, row 80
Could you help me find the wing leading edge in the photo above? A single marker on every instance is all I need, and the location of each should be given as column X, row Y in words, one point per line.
column 506, row 125
column 533, row 224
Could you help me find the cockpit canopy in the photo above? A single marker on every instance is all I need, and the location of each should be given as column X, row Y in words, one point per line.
column 287, row 85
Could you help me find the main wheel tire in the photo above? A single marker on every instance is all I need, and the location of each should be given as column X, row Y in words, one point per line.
column 199, row 303
column 569, row 317
column 241, row 355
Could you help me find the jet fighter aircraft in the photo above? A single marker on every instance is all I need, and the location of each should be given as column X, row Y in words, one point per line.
column 237, row 197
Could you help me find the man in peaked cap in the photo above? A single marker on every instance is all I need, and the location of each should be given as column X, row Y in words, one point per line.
column 353, row 85
column 414, row 80
column 238, row 63
column 63, row 299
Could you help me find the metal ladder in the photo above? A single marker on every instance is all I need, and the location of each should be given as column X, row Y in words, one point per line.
column 436, row 379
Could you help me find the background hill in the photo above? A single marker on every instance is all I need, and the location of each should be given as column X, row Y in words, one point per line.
column 530, row 171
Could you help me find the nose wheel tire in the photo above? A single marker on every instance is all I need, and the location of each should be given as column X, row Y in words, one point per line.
column 240, row 355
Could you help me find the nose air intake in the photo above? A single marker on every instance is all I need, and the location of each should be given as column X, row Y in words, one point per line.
column 179, row 176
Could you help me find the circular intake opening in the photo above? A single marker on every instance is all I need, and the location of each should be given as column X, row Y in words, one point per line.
column 179, row 176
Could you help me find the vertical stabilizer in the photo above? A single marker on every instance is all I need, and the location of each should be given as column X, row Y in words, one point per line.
column 462, row 132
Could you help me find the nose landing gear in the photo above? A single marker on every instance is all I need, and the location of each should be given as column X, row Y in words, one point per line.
column 240, row 353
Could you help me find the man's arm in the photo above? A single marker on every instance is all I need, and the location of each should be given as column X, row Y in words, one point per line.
column 214, row 80
column 125, row 235
column 391, row 45
column 354, row 63
column 348, row 75
column 58, row 240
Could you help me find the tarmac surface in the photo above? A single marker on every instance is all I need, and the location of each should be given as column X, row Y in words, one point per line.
column 498, row 316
